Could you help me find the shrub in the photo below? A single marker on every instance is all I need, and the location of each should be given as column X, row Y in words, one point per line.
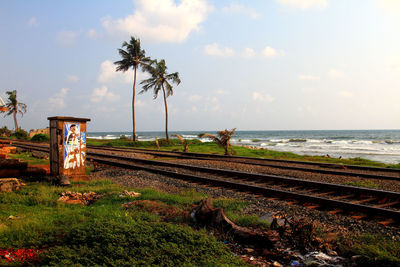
column 134, row 243
column 20, row 134
column 5, row 131
column 123, row 137
column 40, row 138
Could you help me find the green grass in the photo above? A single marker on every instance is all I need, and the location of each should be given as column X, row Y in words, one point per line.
column 105, row 232
column 27, row 156
column 211, row 148
column 374, row 250
column 364, row 183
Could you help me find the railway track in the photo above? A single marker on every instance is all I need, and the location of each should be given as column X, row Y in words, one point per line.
column 355, row 201
column 250, row 160
column 303, row 166
column 324, row 168
column 310, row 167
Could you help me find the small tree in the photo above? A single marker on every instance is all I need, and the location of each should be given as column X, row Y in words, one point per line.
column 14, row 107
column 5, row 131
column 222, row 140
column 185, row 143
column 157, row 143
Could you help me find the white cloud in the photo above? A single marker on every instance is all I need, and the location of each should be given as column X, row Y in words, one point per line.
column 304, row 4
column 307, row 110
column 57, row 101
column 216, row 50
column 221, row 92
column 139, row 103
column 195, row 98
column 102, row 94
column 248, row 52
column 271, row 52
column 73, row 78
column 263, row 97
column 346, row 94
column 307, row 90
column 335, row 73
column 161, row 20
column 306, row 77
column 239, row 9
column 389, row 6
column 109, row 74
column 32, row 22
column 92, row 33
column 66, row 38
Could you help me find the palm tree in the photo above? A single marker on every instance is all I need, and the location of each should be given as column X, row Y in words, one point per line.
column 14, row 107
column 222, row 140
column 134, row 56
column 160, row 79
column 185, row 143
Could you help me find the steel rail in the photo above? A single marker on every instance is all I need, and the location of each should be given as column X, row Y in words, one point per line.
column 265, row 164
column 192, row 155
column 255, row 189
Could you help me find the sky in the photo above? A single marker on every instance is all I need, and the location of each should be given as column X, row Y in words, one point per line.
column 252, row 65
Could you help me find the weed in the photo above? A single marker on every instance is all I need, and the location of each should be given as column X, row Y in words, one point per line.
column 105, row 233
column 364, row 183
column 27, row 156
column 374, row 250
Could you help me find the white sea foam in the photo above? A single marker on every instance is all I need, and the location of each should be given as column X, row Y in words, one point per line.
column 189, row 136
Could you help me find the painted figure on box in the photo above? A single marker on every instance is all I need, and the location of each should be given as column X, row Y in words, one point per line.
column 72, row 145
column 83, row 147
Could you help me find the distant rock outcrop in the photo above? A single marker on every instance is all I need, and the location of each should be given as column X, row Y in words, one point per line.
column 39, row 131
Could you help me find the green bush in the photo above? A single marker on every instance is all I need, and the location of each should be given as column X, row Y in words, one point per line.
column 20, row 134
column 4, row 131
column 40, row 138
column 137, row 243
column 374, row 250
column 123, row 137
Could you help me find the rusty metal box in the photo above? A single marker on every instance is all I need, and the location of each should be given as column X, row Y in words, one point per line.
column 68, row 147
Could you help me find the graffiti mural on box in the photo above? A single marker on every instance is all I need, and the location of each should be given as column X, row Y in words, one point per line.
column 83, row 146
column 73, row 145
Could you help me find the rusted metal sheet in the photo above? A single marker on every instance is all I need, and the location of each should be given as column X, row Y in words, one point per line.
column 68, row 147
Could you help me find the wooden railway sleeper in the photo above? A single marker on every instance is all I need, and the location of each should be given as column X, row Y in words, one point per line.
column 343, row 197
column 388, row 204
column 365, row 200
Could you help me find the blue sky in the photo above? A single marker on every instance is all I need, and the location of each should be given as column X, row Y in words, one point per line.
column 253, row 65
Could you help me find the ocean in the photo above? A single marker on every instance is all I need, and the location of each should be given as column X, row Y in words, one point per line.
column 378, row 145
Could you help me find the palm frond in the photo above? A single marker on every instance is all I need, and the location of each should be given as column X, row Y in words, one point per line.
column 174, row 77
column 169, row 88
column 222, row 140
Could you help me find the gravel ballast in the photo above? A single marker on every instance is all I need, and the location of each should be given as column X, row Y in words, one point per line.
column 258, row 205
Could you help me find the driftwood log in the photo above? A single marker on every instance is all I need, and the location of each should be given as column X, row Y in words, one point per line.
column 207, row 216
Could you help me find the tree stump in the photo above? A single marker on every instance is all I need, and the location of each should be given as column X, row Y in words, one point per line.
column 206, row 215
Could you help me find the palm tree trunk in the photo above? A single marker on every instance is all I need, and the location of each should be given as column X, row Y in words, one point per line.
column 15, row 120
column 227, row 145
column 166, row 114
column 133, row 106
